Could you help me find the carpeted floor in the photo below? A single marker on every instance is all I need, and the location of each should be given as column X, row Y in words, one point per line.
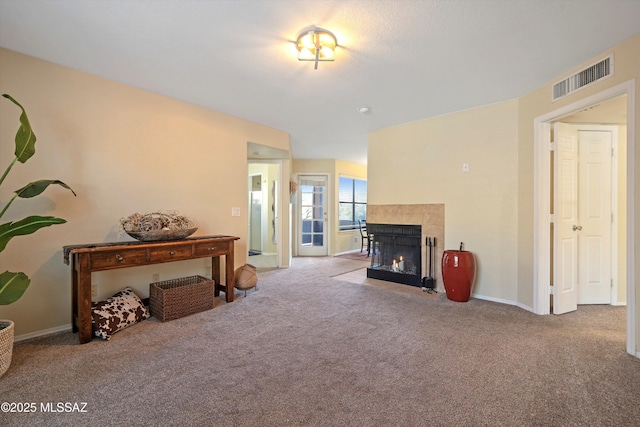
column 309, row 350
column 358, row 256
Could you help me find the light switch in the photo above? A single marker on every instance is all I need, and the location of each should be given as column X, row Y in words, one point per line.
column 465, row 167
column 235, row 211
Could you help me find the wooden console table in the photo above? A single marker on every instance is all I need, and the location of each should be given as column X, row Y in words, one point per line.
column 86, row 259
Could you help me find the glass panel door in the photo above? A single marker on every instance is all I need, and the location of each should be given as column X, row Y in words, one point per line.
column 312, row 224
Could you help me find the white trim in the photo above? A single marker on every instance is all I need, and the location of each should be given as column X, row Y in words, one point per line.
column 37, row 334
column 632, row 219
column 353, row 251
column 503, row 301
column 525, row 307
column 492, row 299
column 359, row 178
column 541, row 267
column 615, row 222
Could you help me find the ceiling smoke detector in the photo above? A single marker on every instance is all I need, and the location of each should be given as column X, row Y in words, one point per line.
column 362, row 110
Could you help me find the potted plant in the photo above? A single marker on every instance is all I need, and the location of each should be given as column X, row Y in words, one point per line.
column 13, row 285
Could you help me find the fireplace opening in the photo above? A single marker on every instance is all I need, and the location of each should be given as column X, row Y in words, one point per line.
column 396, row 253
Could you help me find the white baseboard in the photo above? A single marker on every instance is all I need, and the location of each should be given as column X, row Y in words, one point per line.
column 347, row 252
column 504, row 301
column 525, row 307
column 492, row 299
column 37, row 334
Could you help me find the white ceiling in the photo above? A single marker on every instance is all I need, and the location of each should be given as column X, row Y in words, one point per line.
column 405, row 60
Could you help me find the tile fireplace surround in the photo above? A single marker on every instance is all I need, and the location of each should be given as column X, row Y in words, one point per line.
column 430, row 217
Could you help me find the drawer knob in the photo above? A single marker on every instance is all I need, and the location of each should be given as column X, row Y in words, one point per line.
column 119, row 258
column 211, row 249
column 172, row 253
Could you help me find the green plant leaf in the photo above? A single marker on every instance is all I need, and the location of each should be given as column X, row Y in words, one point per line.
column 27, row 225
column 34, row 188
column 12, row 286
column 25, row 138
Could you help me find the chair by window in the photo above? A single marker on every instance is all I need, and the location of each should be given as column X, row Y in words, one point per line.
column 365, row 237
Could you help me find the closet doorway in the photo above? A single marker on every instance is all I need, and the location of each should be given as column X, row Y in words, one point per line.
column 546, row 218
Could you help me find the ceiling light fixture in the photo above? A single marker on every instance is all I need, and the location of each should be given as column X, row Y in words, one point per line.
column 316, row 44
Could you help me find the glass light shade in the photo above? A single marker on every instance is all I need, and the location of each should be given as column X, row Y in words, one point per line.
column 317, row 41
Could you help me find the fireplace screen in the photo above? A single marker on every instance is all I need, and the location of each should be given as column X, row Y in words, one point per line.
column 396, row 253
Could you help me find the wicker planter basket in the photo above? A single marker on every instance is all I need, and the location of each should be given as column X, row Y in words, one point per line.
column 172, row 299
column 6, row 345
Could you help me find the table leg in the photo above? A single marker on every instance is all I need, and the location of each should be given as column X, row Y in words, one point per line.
column 83, row 299
column 229, row 274
column 215, row 275
column 74, row 294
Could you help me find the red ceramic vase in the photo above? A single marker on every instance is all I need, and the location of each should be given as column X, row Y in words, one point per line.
column 458, row 273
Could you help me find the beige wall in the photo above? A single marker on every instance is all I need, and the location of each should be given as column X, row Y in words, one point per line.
column 123, row 150
column 421, row 163
column 339, row 241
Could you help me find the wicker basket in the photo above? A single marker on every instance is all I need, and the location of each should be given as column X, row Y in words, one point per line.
column 172, row 299
column 6, row 345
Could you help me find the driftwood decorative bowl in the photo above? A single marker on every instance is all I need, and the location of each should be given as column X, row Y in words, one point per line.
column 159, row 235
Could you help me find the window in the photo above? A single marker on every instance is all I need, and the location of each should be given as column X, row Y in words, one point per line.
column 352, row 201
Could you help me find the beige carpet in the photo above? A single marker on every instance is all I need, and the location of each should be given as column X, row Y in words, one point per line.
column 358, row 256
column 309, row 350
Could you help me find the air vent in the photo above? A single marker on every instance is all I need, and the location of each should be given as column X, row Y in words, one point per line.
column 584, row 78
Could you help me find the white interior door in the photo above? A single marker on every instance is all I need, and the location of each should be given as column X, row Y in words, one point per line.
column 582, row 273
column 565, row 272
column 595, row 217
column 312, row 215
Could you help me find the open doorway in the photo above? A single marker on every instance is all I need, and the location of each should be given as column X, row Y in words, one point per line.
column 588, row 207
column 273, row 166
column 263, row 203
column 546, row 255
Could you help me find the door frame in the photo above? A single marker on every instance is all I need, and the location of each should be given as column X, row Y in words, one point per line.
column 296, row 214
column 542, row 185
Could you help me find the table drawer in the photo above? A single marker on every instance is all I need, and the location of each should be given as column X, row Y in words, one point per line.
column 170, row 253
column 211, row 249
column 115, row 259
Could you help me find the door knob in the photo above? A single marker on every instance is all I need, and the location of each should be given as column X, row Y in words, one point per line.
column 577, row 227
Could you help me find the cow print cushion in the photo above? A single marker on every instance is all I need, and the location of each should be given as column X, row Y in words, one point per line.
column 114, row 314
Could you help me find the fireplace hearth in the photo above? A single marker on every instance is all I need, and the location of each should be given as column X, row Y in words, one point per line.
column 396, row 253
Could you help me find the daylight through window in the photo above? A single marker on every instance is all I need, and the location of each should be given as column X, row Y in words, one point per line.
column 352, row 200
